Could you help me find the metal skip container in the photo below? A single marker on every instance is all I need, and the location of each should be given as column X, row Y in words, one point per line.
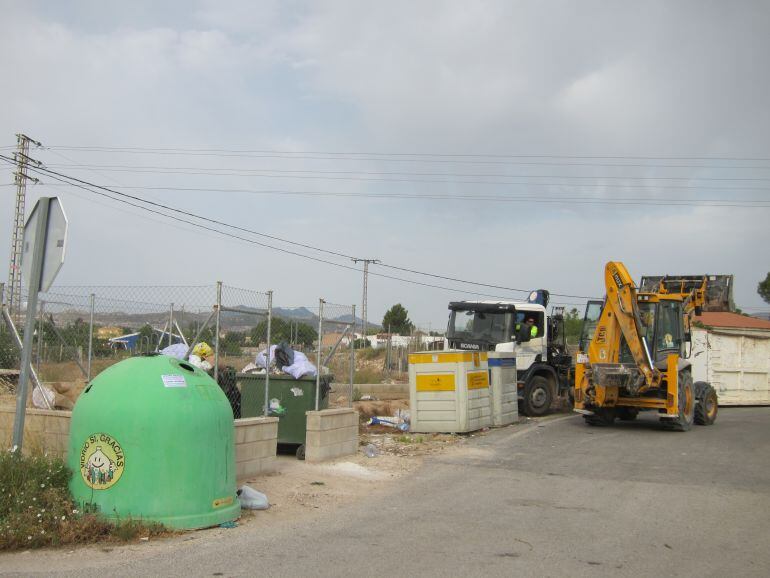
column 152, row 438
column 449, row 391
column 288, row 399
column 503, row 388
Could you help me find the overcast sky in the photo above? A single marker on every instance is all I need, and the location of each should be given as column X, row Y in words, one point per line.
column 492, row 84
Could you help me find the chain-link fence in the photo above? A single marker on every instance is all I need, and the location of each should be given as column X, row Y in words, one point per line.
column 336, row 348
column 81, row 330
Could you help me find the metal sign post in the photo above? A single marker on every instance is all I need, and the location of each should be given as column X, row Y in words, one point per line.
column 43, row 254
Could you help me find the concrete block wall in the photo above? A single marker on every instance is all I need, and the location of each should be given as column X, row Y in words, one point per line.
column 256, row 441
column 46, row 431
column 331, row 433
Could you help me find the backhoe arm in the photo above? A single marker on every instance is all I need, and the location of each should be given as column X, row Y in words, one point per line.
column 621, row 313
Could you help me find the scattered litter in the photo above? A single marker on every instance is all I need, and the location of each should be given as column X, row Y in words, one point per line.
column 276, row 408
column 317, row 483
column 145, row 538
column 389, row 422
column 41, row 395
column 371, row 451
column 222, row 525
column 251, row 499
column 368, row 398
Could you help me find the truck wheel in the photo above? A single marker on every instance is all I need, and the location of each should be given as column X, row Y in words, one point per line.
column 627, row 413
column 686, row 417
column 706, row 403
column 537, row 396
column 602, row 417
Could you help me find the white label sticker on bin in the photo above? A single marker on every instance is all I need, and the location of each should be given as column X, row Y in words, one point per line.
column 297, row 391
column 173, row 381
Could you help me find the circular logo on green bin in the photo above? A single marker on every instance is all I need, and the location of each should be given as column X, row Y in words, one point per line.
column 101, row 461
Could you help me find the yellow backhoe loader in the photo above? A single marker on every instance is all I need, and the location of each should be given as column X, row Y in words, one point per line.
column 633, row 352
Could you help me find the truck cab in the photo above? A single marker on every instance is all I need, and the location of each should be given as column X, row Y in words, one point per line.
column 543, row 366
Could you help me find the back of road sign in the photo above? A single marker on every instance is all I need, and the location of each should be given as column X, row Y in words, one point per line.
column 55, row 243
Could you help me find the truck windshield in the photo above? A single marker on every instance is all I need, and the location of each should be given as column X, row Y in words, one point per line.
column 486, row 326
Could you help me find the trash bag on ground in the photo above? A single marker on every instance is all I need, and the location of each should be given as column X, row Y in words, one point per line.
column 251, row 499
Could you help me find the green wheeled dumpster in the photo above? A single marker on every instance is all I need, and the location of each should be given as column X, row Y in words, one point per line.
column 152, row 438
column 288, row 398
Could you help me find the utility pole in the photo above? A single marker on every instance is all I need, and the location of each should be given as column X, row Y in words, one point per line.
column 366, row 263
column 21, row 156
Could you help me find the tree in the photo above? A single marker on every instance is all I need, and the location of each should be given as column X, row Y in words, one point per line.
column 763, row 288
column 397, row 319
column 573, row 325
column 293, row 332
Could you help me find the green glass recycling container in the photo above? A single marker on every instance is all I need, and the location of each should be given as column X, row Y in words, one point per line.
column 151, row 438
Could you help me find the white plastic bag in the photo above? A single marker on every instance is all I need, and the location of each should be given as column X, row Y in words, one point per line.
column 177, row 350
column 40, row 395
column 251, row 499
column 300, row 368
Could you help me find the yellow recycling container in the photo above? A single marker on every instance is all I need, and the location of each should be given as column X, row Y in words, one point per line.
column 449, row 391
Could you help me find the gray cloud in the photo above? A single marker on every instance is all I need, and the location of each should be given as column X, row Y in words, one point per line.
column 561, row 78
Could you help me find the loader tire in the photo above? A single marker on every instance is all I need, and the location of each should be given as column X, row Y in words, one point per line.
column 706, row 403
column 603, row 417
column 538, row 396
column 686, row 417
column 627, row 413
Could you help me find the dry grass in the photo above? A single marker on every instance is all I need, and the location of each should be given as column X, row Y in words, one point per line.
column 37, row 510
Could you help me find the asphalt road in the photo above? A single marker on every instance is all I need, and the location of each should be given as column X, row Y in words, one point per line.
column 559, row 498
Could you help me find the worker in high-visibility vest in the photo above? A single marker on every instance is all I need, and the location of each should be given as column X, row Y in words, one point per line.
column 526, row 330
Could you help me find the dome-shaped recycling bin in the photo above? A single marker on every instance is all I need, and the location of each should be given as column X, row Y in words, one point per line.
column 152, row 438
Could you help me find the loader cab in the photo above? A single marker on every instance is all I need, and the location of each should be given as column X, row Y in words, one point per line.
column 663, row 329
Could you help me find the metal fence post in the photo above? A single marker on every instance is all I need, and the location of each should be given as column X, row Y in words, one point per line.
column 29, row 328
column 318, row 358
column 91, row 302
column 352, row 358
column 170, row 324
column 267, row 354
column 216, row 334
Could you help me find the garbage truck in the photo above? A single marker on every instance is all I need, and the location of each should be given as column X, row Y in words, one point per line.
column 544, row 366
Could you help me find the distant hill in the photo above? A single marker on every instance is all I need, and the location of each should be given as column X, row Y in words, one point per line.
column 242, row 319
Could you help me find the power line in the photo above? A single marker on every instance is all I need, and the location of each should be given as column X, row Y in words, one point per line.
column 87, row 186
column 560, row 164
column 297, row 173
column 404, row 154
column 84, row 184
column 525, row 197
